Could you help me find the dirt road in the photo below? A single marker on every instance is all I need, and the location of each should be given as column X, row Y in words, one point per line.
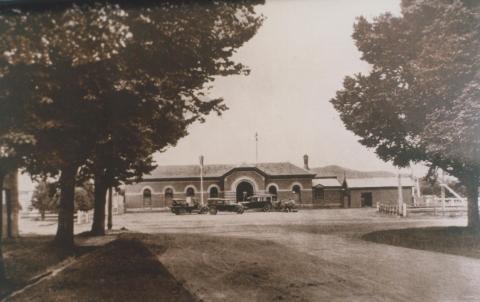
column 307, row 256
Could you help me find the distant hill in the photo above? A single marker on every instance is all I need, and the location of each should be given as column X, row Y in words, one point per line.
column 339, row 172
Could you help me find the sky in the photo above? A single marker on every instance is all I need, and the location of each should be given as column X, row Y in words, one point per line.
column 298, row 60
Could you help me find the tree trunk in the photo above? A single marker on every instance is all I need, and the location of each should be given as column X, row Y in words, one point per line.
column 3, row 275
column 8, row 204
column 110, row 224
column 471, row 185
column 64, row 236
column 98, row 226
column 42, row 214
column 2, row 266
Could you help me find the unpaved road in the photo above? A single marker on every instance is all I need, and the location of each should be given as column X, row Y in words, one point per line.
column 307, row 256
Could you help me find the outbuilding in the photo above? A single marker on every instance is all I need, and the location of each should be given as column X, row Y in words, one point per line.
column 328, row 192
column 367, row 192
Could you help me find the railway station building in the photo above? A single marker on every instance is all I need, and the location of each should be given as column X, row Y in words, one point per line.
column 284, row 180
column 237, row 182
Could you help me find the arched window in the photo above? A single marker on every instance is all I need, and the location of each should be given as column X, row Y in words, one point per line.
column 213, row 192
column 273, row 190
column 297, row 191
column 147, row 198
column 190, row 192
column 169, row 193
column 168, row 197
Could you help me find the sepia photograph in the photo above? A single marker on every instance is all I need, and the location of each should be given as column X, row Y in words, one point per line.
column 239, row 150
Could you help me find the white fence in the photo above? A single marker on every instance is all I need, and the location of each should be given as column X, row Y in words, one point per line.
column 392, row 209
column 84, row 217
column 429, row 205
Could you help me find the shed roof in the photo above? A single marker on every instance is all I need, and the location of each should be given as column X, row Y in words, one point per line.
column 193, row 171
column 326, row 182
column 378, row 182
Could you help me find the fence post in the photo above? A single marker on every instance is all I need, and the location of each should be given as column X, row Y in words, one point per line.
column 79, row 217
column 404, row 214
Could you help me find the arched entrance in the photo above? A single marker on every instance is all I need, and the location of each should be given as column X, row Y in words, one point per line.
column 244, row 190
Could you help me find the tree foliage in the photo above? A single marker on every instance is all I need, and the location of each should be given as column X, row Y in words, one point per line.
column 102, row 86
column 420, row 101
column 46, row 197
column 43, row 197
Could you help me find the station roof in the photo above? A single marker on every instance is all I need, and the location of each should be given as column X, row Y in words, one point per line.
column 327, row 182
column 378, row 182
column 193, row 171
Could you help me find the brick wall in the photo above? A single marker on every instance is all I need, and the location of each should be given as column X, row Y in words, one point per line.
column 331, row 198
column 285, row 187
column 134, row 192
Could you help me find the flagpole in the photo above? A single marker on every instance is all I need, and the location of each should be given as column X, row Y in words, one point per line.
column 256, row 147
column 201, row 180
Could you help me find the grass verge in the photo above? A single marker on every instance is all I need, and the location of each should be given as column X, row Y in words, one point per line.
column 123, row 270
column 450, row 240
column 27, row 257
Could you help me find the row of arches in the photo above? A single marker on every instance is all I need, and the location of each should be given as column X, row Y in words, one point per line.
column 243, row 190
column 213, row 192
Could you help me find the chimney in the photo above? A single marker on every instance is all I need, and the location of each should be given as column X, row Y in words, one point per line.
column 305, row 162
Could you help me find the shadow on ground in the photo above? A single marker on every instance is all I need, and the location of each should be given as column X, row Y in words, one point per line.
column 123, row 270
column 449, row 240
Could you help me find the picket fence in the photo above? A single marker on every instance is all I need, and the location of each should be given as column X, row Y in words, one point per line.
column 433, row 206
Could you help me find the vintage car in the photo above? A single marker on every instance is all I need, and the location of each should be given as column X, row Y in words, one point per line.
column 183, row 206
column 287, row 205
column 224, row 205
column 263, row 202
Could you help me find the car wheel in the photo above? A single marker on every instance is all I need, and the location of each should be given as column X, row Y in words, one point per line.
column 213, row 211
column 240, row 211
column 267, row 208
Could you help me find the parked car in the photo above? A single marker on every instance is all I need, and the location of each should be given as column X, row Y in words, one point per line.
column 183, row 206
column 263, row 202
column 224, row 205
column 287, row 205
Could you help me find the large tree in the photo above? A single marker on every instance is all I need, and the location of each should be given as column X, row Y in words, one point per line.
column 45, row 54
column 175, row 51
column 421, row 100
column 105, row 85
column 12, row 144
